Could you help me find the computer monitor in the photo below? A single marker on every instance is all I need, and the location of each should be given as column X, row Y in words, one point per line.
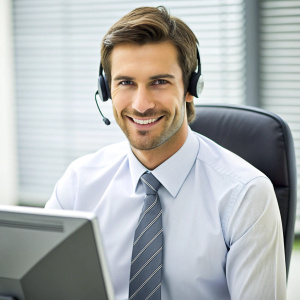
column 51, row 255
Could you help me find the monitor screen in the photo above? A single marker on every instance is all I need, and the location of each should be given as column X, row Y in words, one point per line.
column 49, row 254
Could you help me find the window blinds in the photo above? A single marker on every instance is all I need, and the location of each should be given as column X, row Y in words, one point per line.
column 280, row 66
column 57, row 45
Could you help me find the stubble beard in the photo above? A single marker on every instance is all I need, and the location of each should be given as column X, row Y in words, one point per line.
column 142, row 139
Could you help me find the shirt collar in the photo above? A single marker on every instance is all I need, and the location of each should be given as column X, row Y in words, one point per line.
column 173, row 172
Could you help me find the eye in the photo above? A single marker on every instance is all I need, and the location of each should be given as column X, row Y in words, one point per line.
column 126, row 82
column 160, row 82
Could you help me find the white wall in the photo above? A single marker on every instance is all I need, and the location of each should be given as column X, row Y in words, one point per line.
column 8, row 161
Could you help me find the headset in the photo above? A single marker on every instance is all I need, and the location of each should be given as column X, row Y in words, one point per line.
column 195, row 86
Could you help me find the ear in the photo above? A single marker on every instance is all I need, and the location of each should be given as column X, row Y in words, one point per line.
column 189, row 97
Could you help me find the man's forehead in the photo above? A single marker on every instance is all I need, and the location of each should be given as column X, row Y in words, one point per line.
column 158, row 58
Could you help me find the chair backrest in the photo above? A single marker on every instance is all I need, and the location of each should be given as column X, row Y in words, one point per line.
column 264, row 140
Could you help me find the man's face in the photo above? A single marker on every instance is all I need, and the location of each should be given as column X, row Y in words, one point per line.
column 148, row 94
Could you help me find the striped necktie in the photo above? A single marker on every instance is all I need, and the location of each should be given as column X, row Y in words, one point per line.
column 146, row 262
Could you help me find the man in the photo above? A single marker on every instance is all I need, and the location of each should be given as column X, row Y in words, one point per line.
column 218, row 225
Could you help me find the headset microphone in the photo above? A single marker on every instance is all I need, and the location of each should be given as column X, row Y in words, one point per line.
column 105, row 120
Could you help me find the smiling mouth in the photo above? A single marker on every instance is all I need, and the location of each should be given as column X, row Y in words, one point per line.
column 145, row 122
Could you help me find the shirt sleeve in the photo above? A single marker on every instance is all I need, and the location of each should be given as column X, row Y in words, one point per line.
column 255, row 267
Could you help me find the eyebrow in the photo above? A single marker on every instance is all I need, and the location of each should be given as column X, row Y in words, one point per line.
column 162, row 76
column 123, row 77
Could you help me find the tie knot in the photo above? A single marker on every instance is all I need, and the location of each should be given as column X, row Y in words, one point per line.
column 150, row 183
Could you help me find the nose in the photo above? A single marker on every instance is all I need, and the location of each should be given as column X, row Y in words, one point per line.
column 142, row 100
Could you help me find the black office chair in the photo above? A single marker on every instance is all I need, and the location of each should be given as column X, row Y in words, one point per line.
column 264, row 140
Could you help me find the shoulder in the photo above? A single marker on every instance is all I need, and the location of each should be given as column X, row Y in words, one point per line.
column 248, row 192
column 220, row 161
column 106, row 156
column 87, row 176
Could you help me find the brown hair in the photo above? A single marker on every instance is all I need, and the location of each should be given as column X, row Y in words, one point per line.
column 152, row 25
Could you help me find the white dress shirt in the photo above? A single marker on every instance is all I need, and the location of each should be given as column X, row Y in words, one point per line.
column 222, row 228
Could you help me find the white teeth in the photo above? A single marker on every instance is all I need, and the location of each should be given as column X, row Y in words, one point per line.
column 143, row 122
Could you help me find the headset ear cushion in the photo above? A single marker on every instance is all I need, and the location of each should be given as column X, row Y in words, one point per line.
column 107, row 87
column 196, row 84
column 103, row 88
